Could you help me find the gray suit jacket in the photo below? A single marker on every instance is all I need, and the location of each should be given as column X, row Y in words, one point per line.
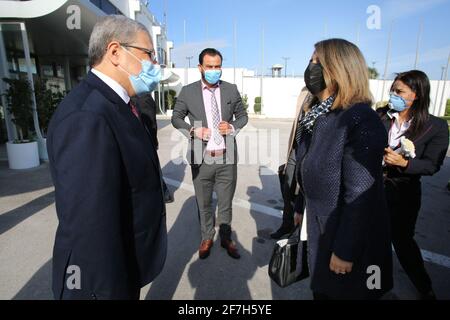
column 190, row 103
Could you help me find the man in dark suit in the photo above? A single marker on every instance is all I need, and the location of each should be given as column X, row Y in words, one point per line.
column 111, row 238
column 147, row 106
column 216, row 114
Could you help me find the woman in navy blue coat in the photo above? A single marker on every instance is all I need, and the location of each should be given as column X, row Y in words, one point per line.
column 340, row 147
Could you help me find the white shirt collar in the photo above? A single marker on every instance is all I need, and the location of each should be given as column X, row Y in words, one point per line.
column 113, row 84
column 205, row 86
column 396, row 116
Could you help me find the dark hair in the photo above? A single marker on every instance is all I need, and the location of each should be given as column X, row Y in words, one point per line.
column 210, row 52
column 419, row 83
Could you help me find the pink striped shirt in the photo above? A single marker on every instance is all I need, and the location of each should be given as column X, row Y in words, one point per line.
column 207, row 102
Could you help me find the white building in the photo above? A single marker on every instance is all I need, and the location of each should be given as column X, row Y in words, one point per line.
column 279, row 94
column 49, row 39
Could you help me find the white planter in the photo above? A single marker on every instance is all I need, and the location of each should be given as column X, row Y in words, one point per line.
column 22, row 155
column 42, row 145
column 169, row 112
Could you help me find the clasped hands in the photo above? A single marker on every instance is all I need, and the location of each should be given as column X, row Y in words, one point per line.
column 205, row 133
column 393, row 158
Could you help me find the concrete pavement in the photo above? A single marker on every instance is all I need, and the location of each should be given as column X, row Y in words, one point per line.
column 28, row 223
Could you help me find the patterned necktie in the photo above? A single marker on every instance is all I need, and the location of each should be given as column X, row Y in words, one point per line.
column 215, row 117
column 134, row 110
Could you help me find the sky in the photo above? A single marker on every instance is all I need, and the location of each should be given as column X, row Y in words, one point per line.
column 290, row 28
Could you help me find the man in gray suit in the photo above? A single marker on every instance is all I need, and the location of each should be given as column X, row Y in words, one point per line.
column 216, row 114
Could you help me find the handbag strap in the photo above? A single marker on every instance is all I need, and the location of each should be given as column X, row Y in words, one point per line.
column 293, row 231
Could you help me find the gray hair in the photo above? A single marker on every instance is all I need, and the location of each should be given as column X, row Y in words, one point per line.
column 112, row 28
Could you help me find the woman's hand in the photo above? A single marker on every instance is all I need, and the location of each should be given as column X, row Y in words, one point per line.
column 298, row 218
column 394, row 159
column 340, row 266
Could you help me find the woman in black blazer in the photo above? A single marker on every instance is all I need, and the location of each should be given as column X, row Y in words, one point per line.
column 340, row 147
column 407, row 116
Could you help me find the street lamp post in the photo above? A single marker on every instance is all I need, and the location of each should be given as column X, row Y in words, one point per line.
column 285, row 65
column 189, row 61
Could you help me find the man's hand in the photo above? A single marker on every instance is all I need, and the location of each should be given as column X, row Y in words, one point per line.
column 225, row 128
column 340, row 266
column 202, row 133
column 394, row 159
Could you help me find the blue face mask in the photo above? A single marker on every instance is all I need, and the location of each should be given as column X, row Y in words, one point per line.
column 147, row 80
column 397, row 103
column 212, row 76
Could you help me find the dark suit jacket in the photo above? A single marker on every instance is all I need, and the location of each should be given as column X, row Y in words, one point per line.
column 190, row 103
column 340, row 175
column 147, row 106
column 109, row 198
column 431, row 148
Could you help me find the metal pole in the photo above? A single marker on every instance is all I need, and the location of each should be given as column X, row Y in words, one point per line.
column 285, row 65
column 357, row 34
column 445, row 83
column 189, row 59
column 10, row 128
column 419, row 35
column 234, row 52
column 262, row 69
column 184, row 32
column 388, row 52
column 26, row 51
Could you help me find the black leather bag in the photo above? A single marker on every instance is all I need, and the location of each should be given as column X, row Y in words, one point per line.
column 283, row 263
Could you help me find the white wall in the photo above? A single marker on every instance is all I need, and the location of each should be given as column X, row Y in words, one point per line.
column 279, row 95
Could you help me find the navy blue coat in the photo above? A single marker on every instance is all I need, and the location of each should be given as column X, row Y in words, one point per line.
column 339, row 169
column 109, row 199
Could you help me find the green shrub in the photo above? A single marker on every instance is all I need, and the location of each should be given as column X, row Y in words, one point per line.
column 169, row 97
column 257, row 105
column 245, row 101
column 19, row 103
column 447, row 109
column 47, row 100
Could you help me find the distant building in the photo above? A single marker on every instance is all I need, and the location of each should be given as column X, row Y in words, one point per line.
column 276, row 70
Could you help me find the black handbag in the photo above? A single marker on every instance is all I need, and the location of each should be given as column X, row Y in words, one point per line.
column 283, row 263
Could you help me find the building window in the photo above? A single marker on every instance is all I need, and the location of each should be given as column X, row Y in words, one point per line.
column 106, row 6
column 162, row 57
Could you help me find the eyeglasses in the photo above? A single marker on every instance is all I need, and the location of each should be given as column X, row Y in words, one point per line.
column 151, row 53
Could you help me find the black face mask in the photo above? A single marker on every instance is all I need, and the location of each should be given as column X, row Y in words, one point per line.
column 314, row 80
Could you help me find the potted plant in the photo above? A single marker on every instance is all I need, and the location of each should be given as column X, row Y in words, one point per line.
column 23, row 152
column 245, row 102
column 47, row 100
column 257, row 105
column 170, row 100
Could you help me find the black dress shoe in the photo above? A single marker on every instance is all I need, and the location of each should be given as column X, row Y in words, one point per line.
column 283, row 231
column 231, row 248
column 428, row 296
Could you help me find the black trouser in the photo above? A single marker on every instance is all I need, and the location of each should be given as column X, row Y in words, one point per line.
column 404, row 200
column 288, row 183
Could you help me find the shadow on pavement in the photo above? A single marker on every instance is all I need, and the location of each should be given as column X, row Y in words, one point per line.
column 39, row 286
column 14, row 182
column 12, row 218
column 263, row 244
column 220, row 277
column 183, row 240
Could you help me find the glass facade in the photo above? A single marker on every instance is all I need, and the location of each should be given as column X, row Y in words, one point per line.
column 106, row 6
